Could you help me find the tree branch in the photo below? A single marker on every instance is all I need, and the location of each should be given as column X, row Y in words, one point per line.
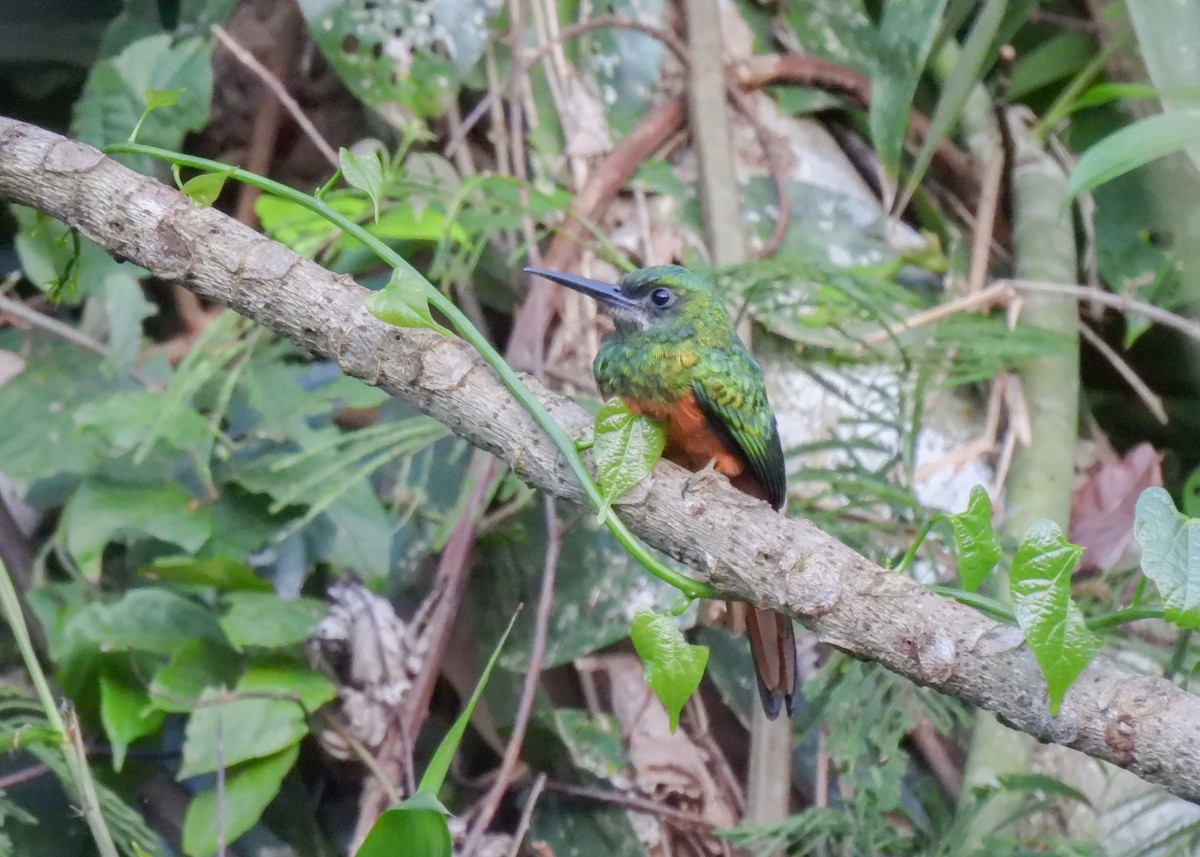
column 1144, row 724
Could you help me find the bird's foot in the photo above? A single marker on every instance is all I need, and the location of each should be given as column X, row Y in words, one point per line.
column 700, row 477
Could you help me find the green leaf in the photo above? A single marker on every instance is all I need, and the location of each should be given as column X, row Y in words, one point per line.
column 1104, row 93
column 144, row 620
column 364, row 172
column 114, row 97
column 1170, row 545
column 905, row 37
column 280, row 675
column 1041, row 594
column 1042, row 783
column 594, row 744
column 249, row 787
column 222, row 572
column 1053, row 59
column 674, row 666
column 265, row 619
column 1167, row 35
column 1134, row 145
column 415, row 828
column 1190, row 494
column 125, row 710
column 226, row 733
column 977, row 51
column 156, row 98
column 403, row 302
column 204, row 189
column 975, row 542
column 199, row 668
column 439, row 765
column 102, row 510
column 626, row 447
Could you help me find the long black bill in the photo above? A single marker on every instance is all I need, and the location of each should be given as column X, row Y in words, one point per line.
column 604, row 292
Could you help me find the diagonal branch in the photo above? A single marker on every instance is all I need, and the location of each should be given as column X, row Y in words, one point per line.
column 1144, row 724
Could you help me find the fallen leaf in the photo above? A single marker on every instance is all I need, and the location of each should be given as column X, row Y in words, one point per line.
column 1102, row 507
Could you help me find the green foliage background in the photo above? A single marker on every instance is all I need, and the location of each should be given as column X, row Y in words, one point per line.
column 194, row 513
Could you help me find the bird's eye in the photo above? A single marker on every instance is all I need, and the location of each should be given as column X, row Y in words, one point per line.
column 661, row 297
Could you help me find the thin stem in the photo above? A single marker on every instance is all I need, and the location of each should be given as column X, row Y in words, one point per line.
column 76, row 760
column 997, row 610
column 916, row 545
column 460, row 322
column 1124, row 616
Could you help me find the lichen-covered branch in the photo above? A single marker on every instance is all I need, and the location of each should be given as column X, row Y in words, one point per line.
column 743, row 547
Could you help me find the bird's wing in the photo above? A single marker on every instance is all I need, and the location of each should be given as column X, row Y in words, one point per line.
column 731, row 394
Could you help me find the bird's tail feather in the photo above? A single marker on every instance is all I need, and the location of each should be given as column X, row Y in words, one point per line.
column 773, row 645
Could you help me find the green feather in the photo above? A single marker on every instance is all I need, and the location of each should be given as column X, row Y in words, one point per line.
column 729, row 389
column 690, row 346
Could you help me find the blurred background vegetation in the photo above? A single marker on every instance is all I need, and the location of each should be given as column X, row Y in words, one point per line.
column 212, row 530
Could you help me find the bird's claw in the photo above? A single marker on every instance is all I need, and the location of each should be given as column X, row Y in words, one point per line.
column 700, row 477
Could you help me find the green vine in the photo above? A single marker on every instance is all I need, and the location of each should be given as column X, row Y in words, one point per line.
column 566, row 445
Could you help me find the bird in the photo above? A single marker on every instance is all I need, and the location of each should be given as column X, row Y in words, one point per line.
column 675, row 357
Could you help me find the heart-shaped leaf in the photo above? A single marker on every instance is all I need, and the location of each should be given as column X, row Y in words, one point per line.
column 1170, row 554
column 1041, row 594
column 403, row 302
column 975, row 542
column 626, row 447
column 417, row 828
column 673, row 666
column 364, row 172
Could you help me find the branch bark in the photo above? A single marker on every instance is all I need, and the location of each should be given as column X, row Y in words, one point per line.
column 742, row 546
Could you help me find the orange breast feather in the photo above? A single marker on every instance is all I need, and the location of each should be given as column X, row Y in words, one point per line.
column 691, row 442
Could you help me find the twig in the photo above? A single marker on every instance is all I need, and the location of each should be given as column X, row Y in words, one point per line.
column 992, row 294
column 70, row 334
column 280, row 92
column 763, row 69
column 527, row 815
column 928, row 742
column 631, row 802
column 778, row 169
column 985, row 221
column 821, row 771
column 565, row 34
column 533, row 674
column 23, row 775
column 449, row 581
column 1152, row 402
column 84, row 783
column 1122, row 303
column 364, row 755
column 220, row 785
column 533, row 319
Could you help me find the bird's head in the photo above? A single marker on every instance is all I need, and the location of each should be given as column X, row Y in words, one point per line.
column 662, row 297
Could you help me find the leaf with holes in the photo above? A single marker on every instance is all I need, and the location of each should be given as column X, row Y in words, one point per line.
column 1170, row 545
column 673, row 666
column 403, row 302
column 626, row 448
column 975, row 542
column 1054, row 628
